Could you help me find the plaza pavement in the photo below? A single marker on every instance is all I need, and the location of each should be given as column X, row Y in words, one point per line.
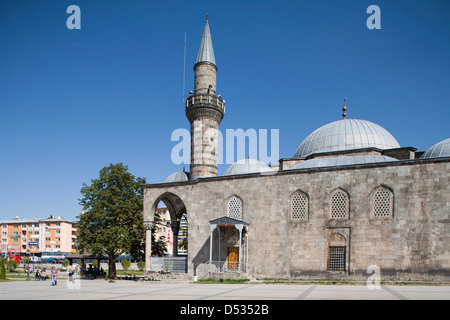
column 126, row 290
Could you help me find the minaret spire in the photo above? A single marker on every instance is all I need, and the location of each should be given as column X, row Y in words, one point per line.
column 206, row 52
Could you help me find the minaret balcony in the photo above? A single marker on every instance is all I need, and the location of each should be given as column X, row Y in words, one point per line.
column 207, row 100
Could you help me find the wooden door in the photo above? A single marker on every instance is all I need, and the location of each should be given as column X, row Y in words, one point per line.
column 233, row 258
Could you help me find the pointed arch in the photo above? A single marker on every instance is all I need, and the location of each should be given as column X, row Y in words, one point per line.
column 235, row 207
column 299, row 206
column 339, row 204
column 174, row 204
column 176, row 208
column 382, row 202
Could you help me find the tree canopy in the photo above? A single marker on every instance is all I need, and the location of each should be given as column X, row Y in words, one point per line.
column 112, row 218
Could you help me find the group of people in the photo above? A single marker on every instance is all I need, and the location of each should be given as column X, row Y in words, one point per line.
column 92, row 271
column 41, row 275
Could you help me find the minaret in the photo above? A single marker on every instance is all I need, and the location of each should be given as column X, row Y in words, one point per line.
column 205, row 111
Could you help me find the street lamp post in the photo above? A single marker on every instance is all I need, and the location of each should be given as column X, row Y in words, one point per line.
column 28, row 264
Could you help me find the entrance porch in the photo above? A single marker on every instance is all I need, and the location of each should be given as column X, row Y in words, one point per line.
column 228, row 250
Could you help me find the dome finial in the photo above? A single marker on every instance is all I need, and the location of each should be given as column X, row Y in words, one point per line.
column 344, row 114
column 206, row 15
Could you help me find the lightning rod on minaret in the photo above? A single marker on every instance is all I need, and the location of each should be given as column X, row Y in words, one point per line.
column 184, row 68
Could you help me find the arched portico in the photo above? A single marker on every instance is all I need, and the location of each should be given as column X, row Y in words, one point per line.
column 176, row 208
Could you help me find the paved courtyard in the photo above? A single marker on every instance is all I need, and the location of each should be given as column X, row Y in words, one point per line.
column 125, row 290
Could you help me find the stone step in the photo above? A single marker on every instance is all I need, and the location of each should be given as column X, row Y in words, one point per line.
column 168, row 277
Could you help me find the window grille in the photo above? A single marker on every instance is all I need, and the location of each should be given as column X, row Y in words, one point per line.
column 299, row 206
column 382, row 203
column 235, row 208
column 339, row 204
column 336, row 259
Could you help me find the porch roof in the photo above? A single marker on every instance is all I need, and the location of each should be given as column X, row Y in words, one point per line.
column 229, row 221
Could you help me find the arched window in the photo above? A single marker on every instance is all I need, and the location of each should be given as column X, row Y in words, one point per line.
column 339, row 204
column 299, row 206
column 383, row 203
column 235, row 208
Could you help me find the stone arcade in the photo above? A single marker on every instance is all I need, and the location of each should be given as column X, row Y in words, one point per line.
column 349, row 198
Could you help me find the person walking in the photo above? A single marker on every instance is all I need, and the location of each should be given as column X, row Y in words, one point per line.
column 71, row 272
column 54, row 273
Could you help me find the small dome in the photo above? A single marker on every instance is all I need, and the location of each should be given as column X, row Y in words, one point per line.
column 247, row 166
column 178, row 176
column 346, row 134
column 341, row 161
column 441, row 149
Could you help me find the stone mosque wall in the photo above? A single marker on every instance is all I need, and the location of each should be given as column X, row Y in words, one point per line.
column 327, row 222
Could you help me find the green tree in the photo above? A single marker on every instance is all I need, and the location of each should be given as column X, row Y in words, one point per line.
column 125, row 264
column 112, row 222
column 141, row 265
column 12, row 265
column 65, row 263
column 2, row 269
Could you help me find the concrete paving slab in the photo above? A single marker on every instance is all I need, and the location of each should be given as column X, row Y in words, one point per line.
column 126, row 290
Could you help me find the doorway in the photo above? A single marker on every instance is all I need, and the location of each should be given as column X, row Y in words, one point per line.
column 233, row 258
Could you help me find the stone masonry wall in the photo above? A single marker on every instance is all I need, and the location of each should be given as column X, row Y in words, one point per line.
column 413, row 243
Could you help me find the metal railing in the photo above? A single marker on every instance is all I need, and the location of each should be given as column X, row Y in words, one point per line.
column 171, row 264
column 227, row 266
column 208, row 99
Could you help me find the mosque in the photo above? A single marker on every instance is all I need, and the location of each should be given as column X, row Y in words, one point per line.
column 350, row 198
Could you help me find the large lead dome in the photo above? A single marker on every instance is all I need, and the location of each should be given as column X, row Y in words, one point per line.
column 346, row 134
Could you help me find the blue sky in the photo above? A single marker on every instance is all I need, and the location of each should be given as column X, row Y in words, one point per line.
column 74, row 101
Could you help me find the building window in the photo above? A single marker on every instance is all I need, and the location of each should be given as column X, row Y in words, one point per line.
column 299, row 206
column 339, row 204
column 336, row 259
column 383, row 203
column 235, row 208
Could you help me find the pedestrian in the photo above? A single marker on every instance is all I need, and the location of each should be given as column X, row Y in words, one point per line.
column 70, row 273
column 54, row 273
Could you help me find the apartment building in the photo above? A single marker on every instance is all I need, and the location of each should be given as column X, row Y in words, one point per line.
column 51, row 235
